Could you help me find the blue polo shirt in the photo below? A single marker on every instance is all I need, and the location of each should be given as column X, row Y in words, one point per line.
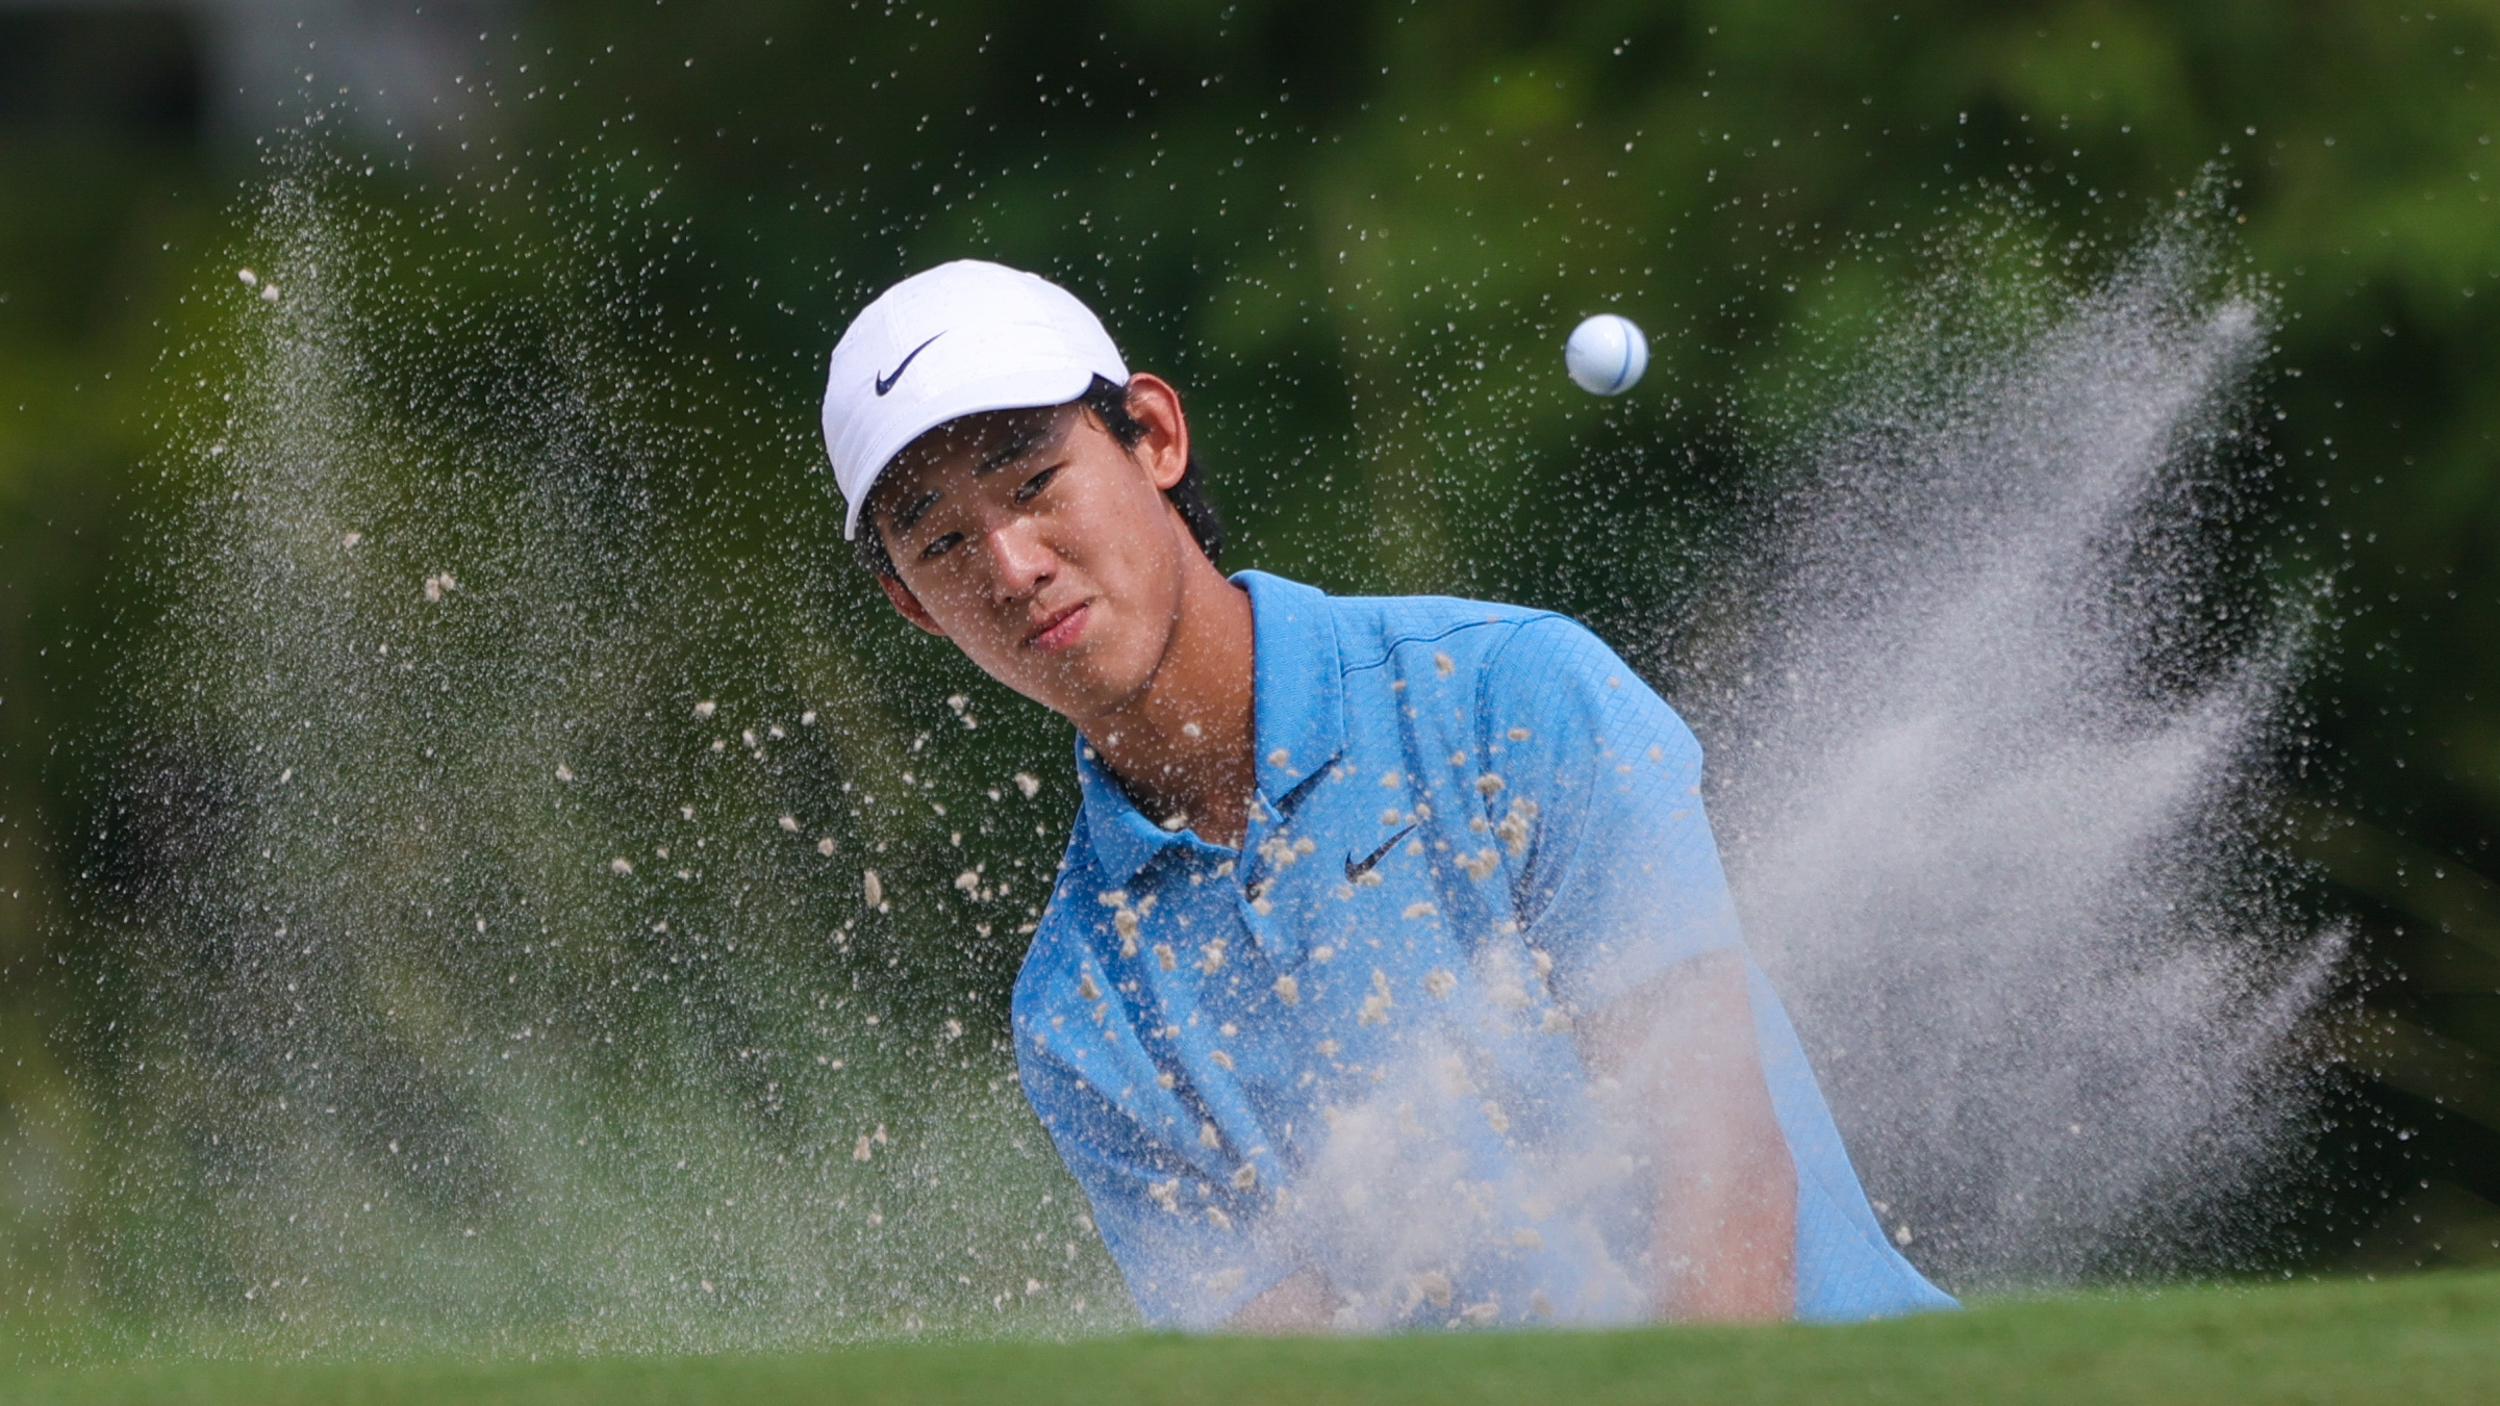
column 1348, row 1044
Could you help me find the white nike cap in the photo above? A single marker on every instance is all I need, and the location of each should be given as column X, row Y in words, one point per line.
column 948, row 342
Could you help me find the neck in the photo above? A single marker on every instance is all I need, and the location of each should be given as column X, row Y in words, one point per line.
column 1182, row 745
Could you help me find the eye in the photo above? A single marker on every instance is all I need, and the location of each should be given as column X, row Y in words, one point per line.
column 1032, row 487
column 940, row 546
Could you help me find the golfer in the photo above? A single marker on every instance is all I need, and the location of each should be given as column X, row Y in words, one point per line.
column 1390, row 979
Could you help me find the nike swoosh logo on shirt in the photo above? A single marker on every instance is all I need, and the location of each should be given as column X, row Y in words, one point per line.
column 1354, row 871
column 886, row 383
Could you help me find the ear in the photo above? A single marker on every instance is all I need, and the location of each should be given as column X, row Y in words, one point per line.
column 1165, row 450
column 909, row 607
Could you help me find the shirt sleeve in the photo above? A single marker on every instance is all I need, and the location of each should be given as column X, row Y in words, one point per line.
column 1192, row 1250
column 1593, row 786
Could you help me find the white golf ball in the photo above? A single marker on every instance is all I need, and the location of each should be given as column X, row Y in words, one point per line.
column 1606, row 354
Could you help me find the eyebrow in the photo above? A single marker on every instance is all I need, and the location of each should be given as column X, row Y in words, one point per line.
column 910, row 512
column 1019, row 442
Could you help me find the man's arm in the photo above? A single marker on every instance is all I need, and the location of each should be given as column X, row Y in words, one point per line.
column 1680, row 1050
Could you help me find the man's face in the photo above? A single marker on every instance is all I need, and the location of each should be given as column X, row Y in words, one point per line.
column 1043, row 548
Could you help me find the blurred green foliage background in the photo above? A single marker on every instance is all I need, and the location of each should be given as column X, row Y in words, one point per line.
column 1354, row 234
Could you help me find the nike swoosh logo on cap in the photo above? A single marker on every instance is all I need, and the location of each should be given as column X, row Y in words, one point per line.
column 886, row 383
column 1355, row 870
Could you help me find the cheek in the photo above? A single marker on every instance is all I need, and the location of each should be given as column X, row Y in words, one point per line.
column 953, row 603
column 940, row 593
column 1120, row 536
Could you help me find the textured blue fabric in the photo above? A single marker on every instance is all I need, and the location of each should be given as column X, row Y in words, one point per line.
column 1264, row 1059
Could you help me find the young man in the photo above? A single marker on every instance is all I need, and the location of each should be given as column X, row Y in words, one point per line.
column 1390, row 978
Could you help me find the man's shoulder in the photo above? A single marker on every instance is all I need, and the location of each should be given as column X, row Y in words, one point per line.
column 1502, row 652
column 1372, row 629
column 1489, row 667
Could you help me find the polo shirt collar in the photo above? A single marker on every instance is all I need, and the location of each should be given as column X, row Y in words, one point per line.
column 1124, row 840
column 1298, row 693
column 1300, row 683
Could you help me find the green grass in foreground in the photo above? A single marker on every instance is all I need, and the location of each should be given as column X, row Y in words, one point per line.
column 2429, row 1339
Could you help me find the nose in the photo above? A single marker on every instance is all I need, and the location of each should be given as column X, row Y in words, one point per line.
column 1021, row 563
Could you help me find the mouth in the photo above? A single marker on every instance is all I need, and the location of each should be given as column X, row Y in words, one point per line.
column 1059, row 629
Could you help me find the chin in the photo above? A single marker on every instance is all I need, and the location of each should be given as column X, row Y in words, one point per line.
column 1082, row 688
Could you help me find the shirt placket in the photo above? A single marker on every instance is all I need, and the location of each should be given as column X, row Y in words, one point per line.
column 1189, row 1005
column 1269, row 850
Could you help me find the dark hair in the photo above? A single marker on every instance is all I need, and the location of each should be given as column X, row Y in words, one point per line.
column 1107, row 401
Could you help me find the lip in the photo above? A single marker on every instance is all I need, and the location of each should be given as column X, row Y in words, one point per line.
column 1060, row 630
